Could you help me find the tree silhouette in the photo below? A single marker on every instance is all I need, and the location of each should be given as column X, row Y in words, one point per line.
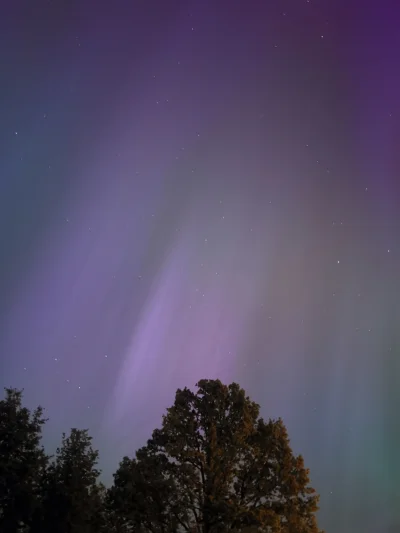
column 22, row 462
column 215, row 466
column 72, row 497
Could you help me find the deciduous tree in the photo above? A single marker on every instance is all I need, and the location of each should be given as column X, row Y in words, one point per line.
column 216, row 466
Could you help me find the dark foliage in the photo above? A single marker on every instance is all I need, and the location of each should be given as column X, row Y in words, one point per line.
column 214, row 466
column 22, row 462
column 72, row 498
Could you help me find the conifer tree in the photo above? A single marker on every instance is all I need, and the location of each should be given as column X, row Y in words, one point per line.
column 72, row 496
column 22, row 462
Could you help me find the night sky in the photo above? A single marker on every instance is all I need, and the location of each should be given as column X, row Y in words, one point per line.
column 208, row 189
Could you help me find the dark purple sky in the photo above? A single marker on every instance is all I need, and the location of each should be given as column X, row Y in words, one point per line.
column 208, row 189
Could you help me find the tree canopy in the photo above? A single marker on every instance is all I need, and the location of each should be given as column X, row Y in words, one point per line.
column 215, row 465
column 22, row 461
column 72, row 497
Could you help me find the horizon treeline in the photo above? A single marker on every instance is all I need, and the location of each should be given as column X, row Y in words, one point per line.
column 213, row 466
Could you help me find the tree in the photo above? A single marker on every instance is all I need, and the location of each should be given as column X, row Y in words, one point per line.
column 73, row 499
column 99, row 509
column 22, row 461
column 143, row 494
column 113, row 522
column 216, row 466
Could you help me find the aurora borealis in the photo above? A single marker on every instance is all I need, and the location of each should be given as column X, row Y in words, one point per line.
column 203, row 189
